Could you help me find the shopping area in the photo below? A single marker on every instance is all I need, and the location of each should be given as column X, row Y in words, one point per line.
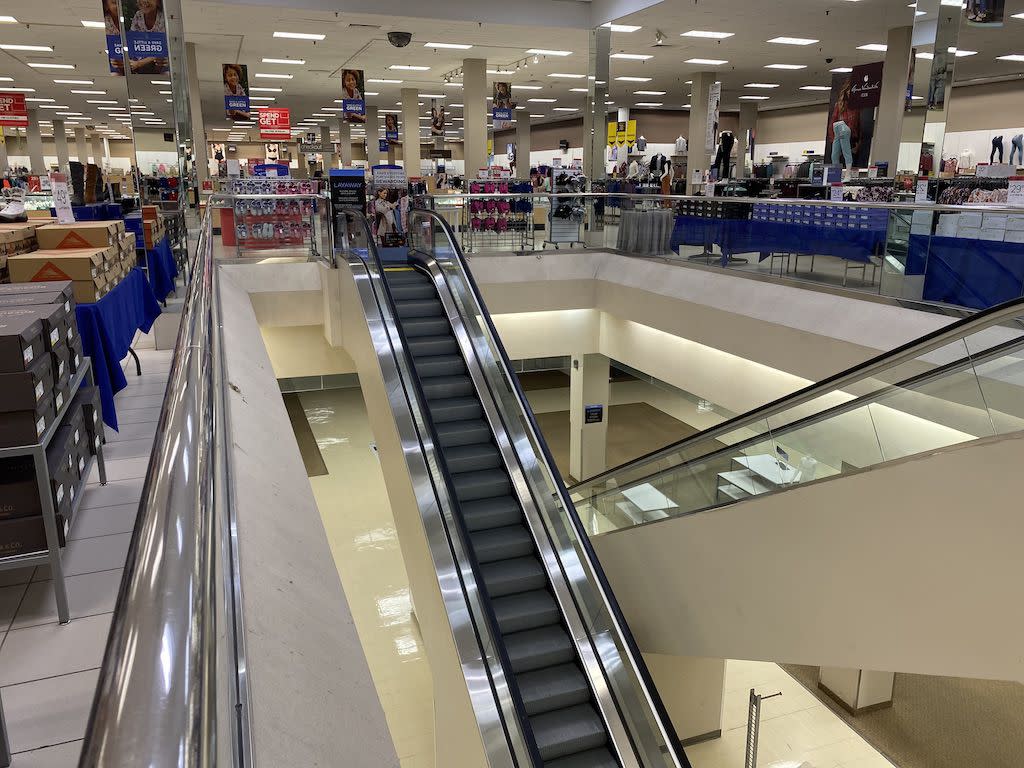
column 439, row 389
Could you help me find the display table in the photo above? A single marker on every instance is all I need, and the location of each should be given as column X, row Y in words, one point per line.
column 107, row 328
column 162, row 268
column 971, row 273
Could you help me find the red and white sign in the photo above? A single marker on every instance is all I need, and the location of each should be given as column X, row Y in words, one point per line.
column 275, row 123
column 13, row 110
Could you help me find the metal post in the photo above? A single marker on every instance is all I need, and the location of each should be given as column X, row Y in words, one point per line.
column 5, row 742
column 754, row 727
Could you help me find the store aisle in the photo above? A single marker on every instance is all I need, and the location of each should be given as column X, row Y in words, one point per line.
column 48, row 672
column 357, row 516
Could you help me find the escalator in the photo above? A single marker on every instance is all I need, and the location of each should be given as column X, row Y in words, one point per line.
column 565, row 678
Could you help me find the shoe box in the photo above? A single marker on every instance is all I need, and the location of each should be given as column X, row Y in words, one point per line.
column 21, row 341
column 146, row 226
column 80, row 235
column 88, row 401
column 15, row 239
column 87, row 268
column 63, row 288
column 25, row 390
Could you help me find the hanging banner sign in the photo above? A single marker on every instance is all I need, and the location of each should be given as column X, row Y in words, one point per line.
column 612, row 130
column 620, row 132
column 112, row 30
column 383, row 145
column 714, row 103
column 275, row 123
column 502, row 106
column 866, row 85
column 388, row 210
column 13, row 110
column 147, row 37
column 352, row 102
column 61, row 198
column 390, row 128
column 236, row 91
column 438, row 118
column 631, row 132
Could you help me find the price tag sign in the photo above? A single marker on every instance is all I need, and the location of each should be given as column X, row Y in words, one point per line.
column 921, row 193
column 61, row 198
column 873, row 172
column 1015, row 191
column 696, row 178
column 709, row 189
column 835, row 193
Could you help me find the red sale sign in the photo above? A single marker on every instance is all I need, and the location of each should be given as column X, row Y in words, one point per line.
column 13, row 110
column 275, row 123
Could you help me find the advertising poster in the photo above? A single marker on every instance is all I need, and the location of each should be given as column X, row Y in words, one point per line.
column 348, row 190
column 352, row 101
column 502, row 106
column 13, row 109
column 613, row 129
column 112, row 29
column 236, row 91
column 388, row 206
column 391, row 127
column 275, row 123
column 147, row 37
column 714, row 105
column 866, row 85
column 855, row 123
column 438, row 118
column 984, row 13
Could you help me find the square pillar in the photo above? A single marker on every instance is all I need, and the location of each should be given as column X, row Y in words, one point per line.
column 893, row 99
column 60, row 141
column 857, row 690
column 80, row 146
column 747, row 127
column 34, row 140
column 474, row 112
column 328, row 147
column 698, row 155
column 372, row 138
column 588, row 387
column 595, row 133
column 524, row 145
column 97, row 150
column 4, row 163
column 410, row 131
column 195, row 111
column 345, row 140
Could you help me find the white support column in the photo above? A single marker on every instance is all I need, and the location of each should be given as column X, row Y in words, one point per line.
column 748, row 125
column 345, row 139
column 4, row 163
column 595, row 133
column 60, row 141
column 698, row 157
column 327, row 146
column 200, row 151
column 692, row 690
column 410, row 131
column 857, row 690
column 97, row 150
column 474, row 112
column 34, row 140
column 372, row 137
column 80, row 146
column 523, row 145
column 588, row 387
column 892, row 102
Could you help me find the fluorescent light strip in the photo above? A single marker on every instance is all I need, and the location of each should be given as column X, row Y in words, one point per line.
column 761, row 85
column 707, row 34
column 649, row 103
column 754, row 98
column 527, row 87
column 1008, row 57
column 260, row 98
column 49, row 106
column 566, row 74
column 47, row 65
column 73, row 82
column 93, row 24
column 8, row 20
column 842, row 70
column 634, row 79
column 433, row 96
column 711, row 62
column 575, row 90
column 547, row 52
column 565, row 109
column 21, row 90
column 785, row 66
column 792, row 41
column 621, row 27
column 300, row 35
column 648, row 93
column 273, row 76
column 296, row 62
column 42, row 101
column 815, row 88
column 632, row 56
column 873, row 47
column 90, row 93
column 453, row 46
column 376, row 80
column 101, row 101
column 257, row 89
column 17, row 47
column 543, row 101
column 410, row 67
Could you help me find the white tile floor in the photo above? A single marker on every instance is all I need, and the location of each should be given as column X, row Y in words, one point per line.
column 48, row 672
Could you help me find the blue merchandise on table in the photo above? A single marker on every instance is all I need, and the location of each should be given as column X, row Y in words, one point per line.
column 107, row 328
column 968, row 272
column 162, row 268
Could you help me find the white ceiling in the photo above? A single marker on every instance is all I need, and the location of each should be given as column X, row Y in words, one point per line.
column 244, row 33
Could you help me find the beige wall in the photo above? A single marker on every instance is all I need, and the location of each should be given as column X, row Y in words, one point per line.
column 302, row 350
column 977, row 107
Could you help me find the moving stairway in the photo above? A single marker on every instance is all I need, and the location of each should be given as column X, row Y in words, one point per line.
column 553, row 637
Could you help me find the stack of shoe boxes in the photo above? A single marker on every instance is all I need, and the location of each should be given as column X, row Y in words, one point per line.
column 146, row 225
column 40, row 352
column 15, row 239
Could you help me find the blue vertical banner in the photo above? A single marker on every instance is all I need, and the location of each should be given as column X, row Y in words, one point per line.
column 236, row 91
column 352, row 102
column 112, row 30
column 147, row 37
column 502, row 106
column 391, row 127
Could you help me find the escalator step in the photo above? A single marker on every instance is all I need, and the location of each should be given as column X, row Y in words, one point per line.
column 539, row 648
column 502, row 544
column 568, row 731
column 470, row 458
column 439, row 365
column 592, row 758
column 507, row 577
column 395, row 276
column 420, row 308
column 458, row 409
column 553, row 688
column 527, row 610
column 407, row 291
column 482, row 485
column 491, row 513
column 453, row 433
column 441, row 387
column 428, row 346
column 416, row 327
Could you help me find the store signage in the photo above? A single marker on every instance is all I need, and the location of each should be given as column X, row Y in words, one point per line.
column 61, row 198
column 352, row 101
column 866, row 85
column 236, row 91
column 388, row 209
column 115, row 50
column 1015, row 191
column 348, row 188
column 835, row 193
column 620, row 132
column 631, row 133
column 275, row 123
column 13, row 110
column 390, row 128
column 709, row 189
column 310, row 147
column 146, row 37
column 921, row 193
column 383, row 145
column 502, row 106
column 593, row 414
column 439, row 154
column 714, row 103
column 612, row 130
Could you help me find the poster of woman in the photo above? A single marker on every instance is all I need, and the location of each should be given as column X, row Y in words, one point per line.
column 352, row 101
column 236, row 91
column 437, row 120
column 851, row 125
column 502, row 106
column 147, row 37
column 112, row 29
column 391, row 127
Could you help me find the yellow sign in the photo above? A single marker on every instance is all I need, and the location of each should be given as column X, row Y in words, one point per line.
column 490, row 146
column 612, row 128
column 631, row 132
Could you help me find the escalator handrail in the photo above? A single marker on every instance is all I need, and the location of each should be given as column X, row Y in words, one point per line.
column 485, row 602
column 604, row 587
column 909, row 351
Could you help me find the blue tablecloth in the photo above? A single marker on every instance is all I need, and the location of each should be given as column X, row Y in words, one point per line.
column 162, row 268
column 107, row 328
column 735, row 236
column 971, row 273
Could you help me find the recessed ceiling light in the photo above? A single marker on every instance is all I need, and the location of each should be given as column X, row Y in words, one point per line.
column 101, row 101
column 255, row 89
column 841, row 70
column 331, row 109
column 792, row 41
column 686, row 106
column 1014, row 16
column 712, row 62
column 761, row 85
column 300, row 35
column 705, row 33
column 532, row 115
column 566, row 74
column 21, row 90
column 649, row 103
column 579, row 90
column 8, row 20
column 73, row 82
column 547, row 52
column 144, row 114
column 410, row 67
column 272, row 76
column 17, row 47
column 166, row 93
column 298, row 62
column 48, row 65
column 49, row 106
column 634, row 79
column 70, row 114
column 369, row 93
column 454, row 46
column 609, row 102
column 260, row 98
column 543, row 101
column 459, row 105
column 815, row 87
column 960, row 52
column 632, row 56
column 785, row 66
column 376, row 80
column 6, row 79
column 527, row 87
column 433, row 95
column 1008, row 57
column 160, row 82
column 93, row 24
column 917, row 98
column 390, row 111
column 876, row 46
column 620, row 27
column 648, row 93
column 925, row 55
column 40, row 100
column 565, row 109
column 751, row 97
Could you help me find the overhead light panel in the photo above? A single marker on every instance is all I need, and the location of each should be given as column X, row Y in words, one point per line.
column 258, row 89
column 8, row 20
column 39, row 100
column 160, row 82
column 48, row 65
column 300, row 35
column 410, row 67
column 649, row 103
column 1008, row 57
column 93, row 24
column 532, row 115
column 453, row 46
column 815, row 87
column 707, row 34
column 579, row 90
column 260, row 98
column 711, row 62
column 792, row 41
column 526, row 87
column 841, row 70
column 648, row 93
column 785, row 66
column 547, row 52
column 566, row 74
column 21, row 90
column 298, row 62
column 882, row 47
column 626, row 79
column 752, row 97
column 632, row 56
column 565, row 109
column 275, row 76
column 543, row 101
column 621, row 27
column 49, row 106
column 376, row 80
column 17, row 47
column 761, row 85
column 961, row 53
column 101, row 101
column 73, row 82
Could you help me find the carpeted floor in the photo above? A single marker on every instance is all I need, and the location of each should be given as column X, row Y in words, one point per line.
column 940, row 722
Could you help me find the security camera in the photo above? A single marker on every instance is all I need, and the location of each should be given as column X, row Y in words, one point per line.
column 828, row 59
column 399, row 39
